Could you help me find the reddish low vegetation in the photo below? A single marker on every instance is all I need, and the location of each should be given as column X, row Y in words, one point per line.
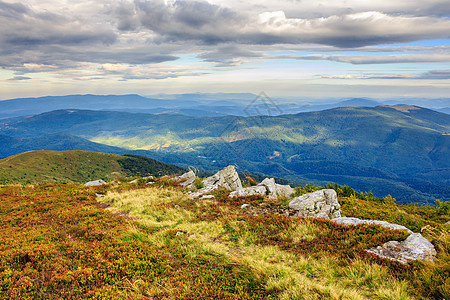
column 55, row 243
column 58, row 242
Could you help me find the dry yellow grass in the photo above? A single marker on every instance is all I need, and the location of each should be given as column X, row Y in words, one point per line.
column 290, row 275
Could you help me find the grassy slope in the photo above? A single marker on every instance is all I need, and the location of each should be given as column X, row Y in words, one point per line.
column 157, row 244
column 77, row 166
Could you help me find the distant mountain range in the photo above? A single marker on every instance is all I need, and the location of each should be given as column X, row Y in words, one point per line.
column 196, row 105
column 398, row 150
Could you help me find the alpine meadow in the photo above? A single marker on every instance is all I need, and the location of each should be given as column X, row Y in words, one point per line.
column 225, row 149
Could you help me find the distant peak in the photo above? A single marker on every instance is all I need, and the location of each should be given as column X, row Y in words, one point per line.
column 404, row 107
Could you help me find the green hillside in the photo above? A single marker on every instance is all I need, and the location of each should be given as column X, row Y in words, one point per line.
column 404, row 145
column 78, row 166
column 55, row 141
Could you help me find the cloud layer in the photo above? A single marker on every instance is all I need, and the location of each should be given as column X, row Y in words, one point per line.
column 144, row 39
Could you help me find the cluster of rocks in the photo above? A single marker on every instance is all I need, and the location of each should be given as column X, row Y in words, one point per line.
column 319, row 204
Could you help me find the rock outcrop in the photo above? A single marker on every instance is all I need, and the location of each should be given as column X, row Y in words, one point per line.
column 252, row 190
column 415, row 247
column 284, row 190
column 319, row 204
column 355, row 221
column 226, row 178
column 187, row 179
column 95, row 183
column 266, row 187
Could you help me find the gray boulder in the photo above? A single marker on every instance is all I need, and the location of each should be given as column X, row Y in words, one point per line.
column 95, row 183
column 284, row 190
column 355, row 221
column 226, row 178
column 187, row 179
column 252, row 190
column 415, row 247
column 319, row 204
column 270, row 186
column 275, row 189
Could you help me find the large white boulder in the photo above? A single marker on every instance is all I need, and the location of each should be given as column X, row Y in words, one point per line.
column 319, row 204
column 415, row 247
column 226, row 178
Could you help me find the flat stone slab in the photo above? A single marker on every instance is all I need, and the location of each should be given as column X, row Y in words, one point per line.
column 355, row 221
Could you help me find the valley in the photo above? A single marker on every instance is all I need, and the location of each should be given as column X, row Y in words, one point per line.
column 398, row 150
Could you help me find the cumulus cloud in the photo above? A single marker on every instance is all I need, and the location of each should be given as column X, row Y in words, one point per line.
column 208, row 23
column 28, row 28
column 180, row 20
column 78, row 37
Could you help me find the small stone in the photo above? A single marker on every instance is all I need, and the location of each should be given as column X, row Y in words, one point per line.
column 244, row 206
column 207, row 197
column 179, row 233
column 95, row 183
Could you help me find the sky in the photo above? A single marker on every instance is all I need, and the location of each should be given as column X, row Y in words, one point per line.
column 296, row 48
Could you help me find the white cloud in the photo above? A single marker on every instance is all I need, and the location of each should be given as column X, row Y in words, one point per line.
column 150, row 39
